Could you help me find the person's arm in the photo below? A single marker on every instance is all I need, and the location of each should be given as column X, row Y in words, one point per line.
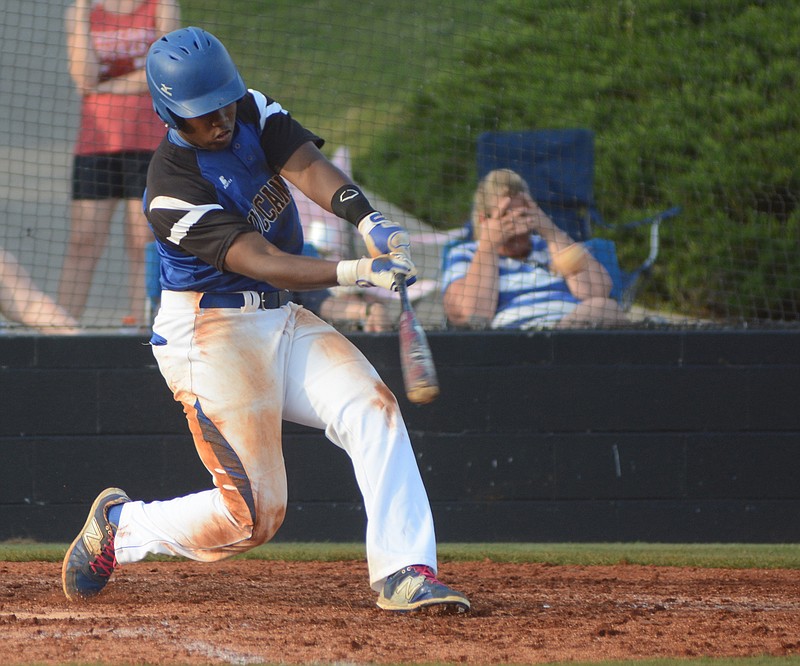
column 169, row 17
column 591, row 281
column 84, row 67
column 135, row 82
column 585, row 276
column 314, row 175
column 322, row 182
column 473, row 299
column 250, row 254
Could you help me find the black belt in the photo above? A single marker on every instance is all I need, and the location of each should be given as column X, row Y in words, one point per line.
column 270, row 300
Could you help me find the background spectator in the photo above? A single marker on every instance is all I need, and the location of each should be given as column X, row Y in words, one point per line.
column 522, row 271
column 107, row 42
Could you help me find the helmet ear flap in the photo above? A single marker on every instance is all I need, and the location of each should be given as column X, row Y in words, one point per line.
column 171, row 120
column 180, row 123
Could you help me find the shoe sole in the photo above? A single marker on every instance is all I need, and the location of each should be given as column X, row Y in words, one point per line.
column 100, row 498
column 455, row 606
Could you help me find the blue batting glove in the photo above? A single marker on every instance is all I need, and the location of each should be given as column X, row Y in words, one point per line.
column 382, row 236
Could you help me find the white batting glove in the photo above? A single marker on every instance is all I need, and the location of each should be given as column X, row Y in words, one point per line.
column 384, row 271
column 383, row 236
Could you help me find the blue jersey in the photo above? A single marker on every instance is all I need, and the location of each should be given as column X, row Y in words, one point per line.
column 198, row 201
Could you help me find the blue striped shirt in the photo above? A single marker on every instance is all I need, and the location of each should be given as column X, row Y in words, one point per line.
column 530, row 295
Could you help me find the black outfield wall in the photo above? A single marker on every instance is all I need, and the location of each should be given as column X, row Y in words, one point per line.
column 669, row 436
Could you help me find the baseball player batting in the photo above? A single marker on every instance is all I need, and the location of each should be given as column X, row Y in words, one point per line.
column 239, row 359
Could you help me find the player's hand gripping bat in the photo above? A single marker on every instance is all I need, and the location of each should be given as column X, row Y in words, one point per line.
column 416, row 361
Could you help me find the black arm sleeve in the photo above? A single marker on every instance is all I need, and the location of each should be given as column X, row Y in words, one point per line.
column 349, row 203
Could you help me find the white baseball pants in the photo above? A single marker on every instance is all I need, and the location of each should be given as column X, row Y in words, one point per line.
column 239, row 373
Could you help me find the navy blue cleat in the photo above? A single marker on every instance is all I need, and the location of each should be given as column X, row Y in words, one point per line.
column 91, row 559
column 416, row 588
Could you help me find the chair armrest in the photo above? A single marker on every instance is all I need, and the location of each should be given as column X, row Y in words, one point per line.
column 653, row 219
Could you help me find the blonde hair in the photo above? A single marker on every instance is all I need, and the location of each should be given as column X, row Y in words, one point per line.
column 495, row 185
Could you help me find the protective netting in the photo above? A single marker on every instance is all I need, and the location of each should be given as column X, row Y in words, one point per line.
column 691, row 107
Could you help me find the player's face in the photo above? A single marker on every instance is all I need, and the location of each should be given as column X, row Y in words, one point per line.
column 212, row 131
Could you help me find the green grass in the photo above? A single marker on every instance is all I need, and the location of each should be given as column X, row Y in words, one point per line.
column 346, row 75
column 734, row 556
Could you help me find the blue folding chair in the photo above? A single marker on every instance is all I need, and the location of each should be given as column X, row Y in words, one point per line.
column 558, row 166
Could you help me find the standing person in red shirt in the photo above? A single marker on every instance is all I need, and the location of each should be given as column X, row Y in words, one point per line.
column 107, row 41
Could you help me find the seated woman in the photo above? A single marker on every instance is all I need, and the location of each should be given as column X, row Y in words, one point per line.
column 522, row 271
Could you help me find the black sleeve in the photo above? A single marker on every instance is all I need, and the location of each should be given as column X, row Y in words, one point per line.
column 183, row 210
column 282, row 135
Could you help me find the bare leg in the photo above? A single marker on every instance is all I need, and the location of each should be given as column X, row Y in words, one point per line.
column 22, row 301
column 91, row 221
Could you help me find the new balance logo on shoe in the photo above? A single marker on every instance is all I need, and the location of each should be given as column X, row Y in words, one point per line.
column 91, row 558
column 93, row 538
column 409, row 587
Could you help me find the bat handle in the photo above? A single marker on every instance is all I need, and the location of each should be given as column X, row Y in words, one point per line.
column 403, row 291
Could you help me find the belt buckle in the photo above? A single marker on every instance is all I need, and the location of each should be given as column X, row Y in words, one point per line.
column 264, row 302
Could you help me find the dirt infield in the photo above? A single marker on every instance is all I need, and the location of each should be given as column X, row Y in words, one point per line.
column 248, row 612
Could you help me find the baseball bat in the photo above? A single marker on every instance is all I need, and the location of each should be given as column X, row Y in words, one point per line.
column 416, row 360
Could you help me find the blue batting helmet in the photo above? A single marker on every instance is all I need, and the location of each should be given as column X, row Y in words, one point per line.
column 190, row 73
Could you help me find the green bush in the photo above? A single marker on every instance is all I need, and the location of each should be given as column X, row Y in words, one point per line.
column 693, row 103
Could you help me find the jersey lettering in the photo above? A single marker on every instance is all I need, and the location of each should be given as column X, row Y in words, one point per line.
column 271, row 200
